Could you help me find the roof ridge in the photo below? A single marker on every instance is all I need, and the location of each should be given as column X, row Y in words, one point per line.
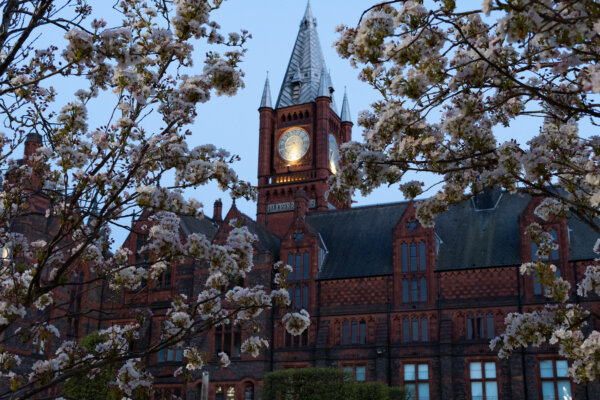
column 358, row 208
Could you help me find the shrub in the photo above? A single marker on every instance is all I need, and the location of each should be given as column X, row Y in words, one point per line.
column 324, row 384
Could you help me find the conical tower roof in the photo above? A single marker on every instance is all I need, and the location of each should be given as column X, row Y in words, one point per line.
column 265, row 101
column 303, row 75
column 345, row 117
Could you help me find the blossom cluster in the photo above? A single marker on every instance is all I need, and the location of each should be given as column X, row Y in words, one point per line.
column 449, row 74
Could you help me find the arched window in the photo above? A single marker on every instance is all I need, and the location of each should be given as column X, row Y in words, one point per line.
column 555, row 254
column 363, row 332
column 296, row 92
column 424, row 330
column 345, row 333
column 415, row 330
column 306, row 266
column 249, row 392
column 404, row 251
column 283, row 118
column 414, row 290
column 354, row 332
column 405, row 290
column 405, row 330
column 490, row 326
column 422, row 257
column 413, row 257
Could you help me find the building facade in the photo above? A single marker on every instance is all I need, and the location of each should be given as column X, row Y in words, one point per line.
column 389, row 300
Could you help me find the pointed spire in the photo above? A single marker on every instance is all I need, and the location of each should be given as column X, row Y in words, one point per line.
column 345, row 117
column 308, row 15
column 301, row 81
column 265, row 101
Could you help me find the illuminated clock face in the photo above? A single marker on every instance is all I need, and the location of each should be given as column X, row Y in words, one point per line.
column 334, row 154
column 294, row 144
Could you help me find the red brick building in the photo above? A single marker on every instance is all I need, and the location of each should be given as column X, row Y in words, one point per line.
column 389, row 300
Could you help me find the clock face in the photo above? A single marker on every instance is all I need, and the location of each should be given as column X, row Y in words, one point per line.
column 294, row 144
column 334, row 154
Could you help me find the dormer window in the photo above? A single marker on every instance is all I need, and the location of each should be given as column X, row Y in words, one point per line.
column 296, row 91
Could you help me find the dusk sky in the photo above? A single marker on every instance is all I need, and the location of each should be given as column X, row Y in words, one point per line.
column 232, row 122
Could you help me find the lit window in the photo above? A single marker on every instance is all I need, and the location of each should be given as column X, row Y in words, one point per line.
column 484, row 385
column 230, row 393
column 555, row 382
column 416, row 381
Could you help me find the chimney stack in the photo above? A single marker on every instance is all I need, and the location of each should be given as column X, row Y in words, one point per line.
column 217, row 211
column 32, row 142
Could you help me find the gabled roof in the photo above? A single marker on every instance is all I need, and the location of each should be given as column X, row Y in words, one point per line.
column 471, row 237
column 267, row 241
column 305, row 67
column 205, row 226
column 358, row 240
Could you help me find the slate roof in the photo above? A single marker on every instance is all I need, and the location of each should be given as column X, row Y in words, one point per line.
column 205, row 226
column 480, row 238
column 266, row 240
column 359, row 240
column 305, row 67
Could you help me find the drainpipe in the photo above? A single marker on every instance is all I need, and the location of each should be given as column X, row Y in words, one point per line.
column 520, row 308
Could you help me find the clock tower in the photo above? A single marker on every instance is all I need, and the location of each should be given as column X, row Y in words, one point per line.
column 299, row 139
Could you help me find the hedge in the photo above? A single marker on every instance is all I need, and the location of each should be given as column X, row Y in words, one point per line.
column 323, row 384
